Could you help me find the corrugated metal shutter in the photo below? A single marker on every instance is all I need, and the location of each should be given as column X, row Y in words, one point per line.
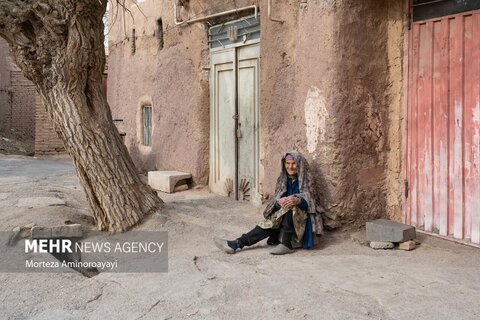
column 443, row 127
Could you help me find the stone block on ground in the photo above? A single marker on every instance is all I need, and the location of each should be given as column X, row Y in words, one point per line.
column 41, row 232
column 166, row 180
column 381, row 245
column 383, row 230
column 40, row 202
column 407, row 245
column 68, row 231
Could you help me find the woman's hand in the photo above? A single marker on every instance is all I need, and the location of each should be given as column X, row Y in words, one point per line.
column 288, row 202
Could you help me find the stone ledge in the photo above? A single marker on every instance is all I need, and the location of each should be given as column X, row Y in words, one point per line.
column 67, row 231
column 166, row 180
column 383, row 230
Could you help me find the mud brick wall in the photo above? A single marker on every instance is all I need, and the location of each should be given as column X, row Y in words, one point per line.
column 5, row 93
column 23, row 102
column 46, row 139
column 331, row 79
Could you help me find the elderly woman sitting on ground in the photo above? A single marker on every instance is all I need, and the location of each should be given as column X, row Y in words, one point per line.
column 290, row 210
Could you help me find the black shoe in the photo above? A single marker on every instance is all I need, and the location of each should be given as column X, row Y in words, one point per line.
column 273, row 242
column 222, row 244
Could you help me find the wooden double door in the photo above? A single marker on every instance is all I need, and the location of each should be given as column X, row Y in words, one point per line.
column 235, row 122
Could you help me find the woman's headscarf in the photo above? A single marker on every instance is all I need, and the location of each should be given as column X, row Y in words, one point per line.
column 303, row 184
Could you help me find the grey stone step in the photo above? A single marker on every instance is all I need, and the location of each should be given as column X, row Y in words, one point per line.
column 384, row 230
column 166, row 180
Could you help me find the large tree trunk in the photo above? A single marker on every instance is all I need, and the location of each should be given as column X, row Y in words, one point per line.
column 58, row 44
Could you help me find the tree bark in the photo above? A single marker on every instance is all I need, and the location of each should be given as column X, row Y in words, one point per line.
column 58, row 44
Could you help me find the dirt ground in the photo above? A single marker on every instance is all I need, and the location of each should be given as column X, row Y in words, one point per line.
column 339, row 279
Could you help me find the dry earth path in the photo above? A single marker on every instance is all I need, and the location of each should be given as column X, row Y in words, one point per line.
column 340, row 279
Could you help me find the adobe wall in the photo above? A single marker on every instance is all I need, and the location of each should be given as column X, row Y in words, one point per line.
column 331, row 87
column 397, row 32
column 17, row 98
column 46, row 139
column 23, row 105
column 172, row 79
column 21, row 112
column 5, row 92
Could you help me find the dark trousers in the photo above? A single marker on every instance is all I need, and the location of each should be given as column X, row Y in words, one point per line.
column 258, row 234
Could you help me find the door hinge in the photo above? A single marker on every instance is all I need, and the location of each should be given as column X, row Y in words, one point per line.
column 405, row 182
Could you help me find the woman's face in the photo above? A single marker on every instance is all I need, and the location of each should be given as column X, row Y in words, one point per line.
column 291, row 167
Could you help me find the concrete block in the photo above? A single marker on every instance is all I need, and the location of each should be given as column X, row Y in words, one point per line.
column 407, row 245
column 166, row 180
column 381, row 245
column 41, row 232
column 389, row 231
column 69, row 231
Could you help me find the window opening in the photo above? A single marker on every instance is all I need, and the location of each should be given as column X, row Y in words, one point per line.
column 147, row 125
column 133, row 48
column 160, row 32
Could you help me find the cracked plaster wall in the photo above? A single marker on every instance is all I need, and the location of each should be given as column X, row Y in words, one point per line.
column 331, row 87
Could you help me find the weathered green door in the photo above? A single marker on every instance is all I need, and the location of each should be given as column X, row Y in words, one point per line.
column 222, row 121
column 235, row 112
column 248, row 123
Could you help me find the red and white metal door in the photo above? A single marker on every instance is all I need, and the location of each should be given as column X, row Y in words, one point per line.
column 442, row 169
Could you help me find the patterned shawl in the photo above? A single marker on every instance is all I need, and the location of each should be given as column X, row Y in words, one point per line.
column 303, row 184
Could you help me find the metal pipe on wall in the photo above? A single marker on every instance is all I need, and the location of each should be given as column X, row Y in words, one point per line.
column 177, row 22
